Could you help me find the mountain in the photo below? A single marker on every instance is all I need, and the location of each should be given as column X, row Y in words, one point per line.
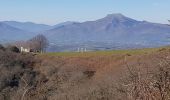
column 33, row 27
column 9, row 33
column 112, row 29
column 28, row 26
column 13, row 30
column 115, row 31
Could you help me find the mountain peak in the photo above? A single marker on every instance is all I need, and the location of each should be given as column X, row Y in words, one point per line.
column 118, row 17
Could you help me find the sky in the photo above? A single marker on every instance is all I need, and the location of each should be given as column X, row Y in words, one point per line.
column 56, row 11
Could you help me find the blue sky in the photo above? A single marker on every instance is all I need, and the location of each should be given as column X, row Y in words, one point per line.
column 56, row 11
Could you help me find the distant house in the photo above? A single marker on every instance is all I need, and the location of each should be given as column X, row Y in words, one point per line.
column 22, row 49
column 27, row 46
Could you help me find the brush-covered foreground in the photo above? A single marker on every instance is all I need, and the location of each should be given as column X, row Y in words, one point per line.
column 142, row 74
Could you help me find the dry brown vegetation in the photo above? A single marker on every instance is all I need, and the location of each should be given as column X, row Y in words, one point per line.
column 144, row 76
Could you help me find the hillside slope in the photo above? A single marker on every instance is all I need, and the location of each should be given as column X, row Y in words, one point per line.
column 87, row 76
column 9, row 33
column 28, row 26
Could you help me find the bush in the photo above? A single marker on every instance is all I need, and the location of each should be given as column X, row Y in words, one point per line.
column 16, row 74
column 146, row 84
column 13, row 49
column 2, row 47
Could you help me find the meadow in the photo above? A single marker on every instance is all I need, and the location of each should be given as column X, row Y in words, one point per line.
column 105, row 53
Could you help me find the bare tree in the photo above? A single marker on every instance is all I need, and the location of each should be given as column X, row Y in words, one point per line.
column 39, row 43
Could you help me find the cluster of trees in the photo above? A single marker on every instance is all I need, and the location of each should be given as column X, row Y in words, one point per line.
column 38, row 43
column 169, row 22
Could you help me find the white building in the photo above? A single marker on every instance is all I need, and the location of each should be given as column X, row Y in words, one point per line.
column 25, row 49
column 81, row 49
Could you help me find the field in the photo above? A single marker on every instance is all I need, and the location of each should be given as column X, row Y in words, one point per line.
column 104, row 53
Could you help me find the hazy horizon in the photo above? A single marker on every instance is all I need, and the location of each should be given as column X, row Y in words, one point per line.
column 52, row 12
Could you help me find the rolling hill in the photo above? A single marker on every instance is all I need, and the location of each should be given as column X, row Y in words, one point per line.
column 14, row 31
column 28, row 26
column 9, row 33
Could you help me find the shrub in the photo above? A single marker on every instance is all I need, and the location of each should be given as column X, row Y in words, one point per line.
column 13, row 49
column 89, row 74
column 147, row 84
column 16, row 75
column 2, row 47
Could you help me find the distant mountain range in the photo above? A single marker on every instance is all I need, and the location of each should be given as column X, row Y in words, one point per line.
column 13, row 30
column 113, row 31
column 28, row 26
column 9, row 33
